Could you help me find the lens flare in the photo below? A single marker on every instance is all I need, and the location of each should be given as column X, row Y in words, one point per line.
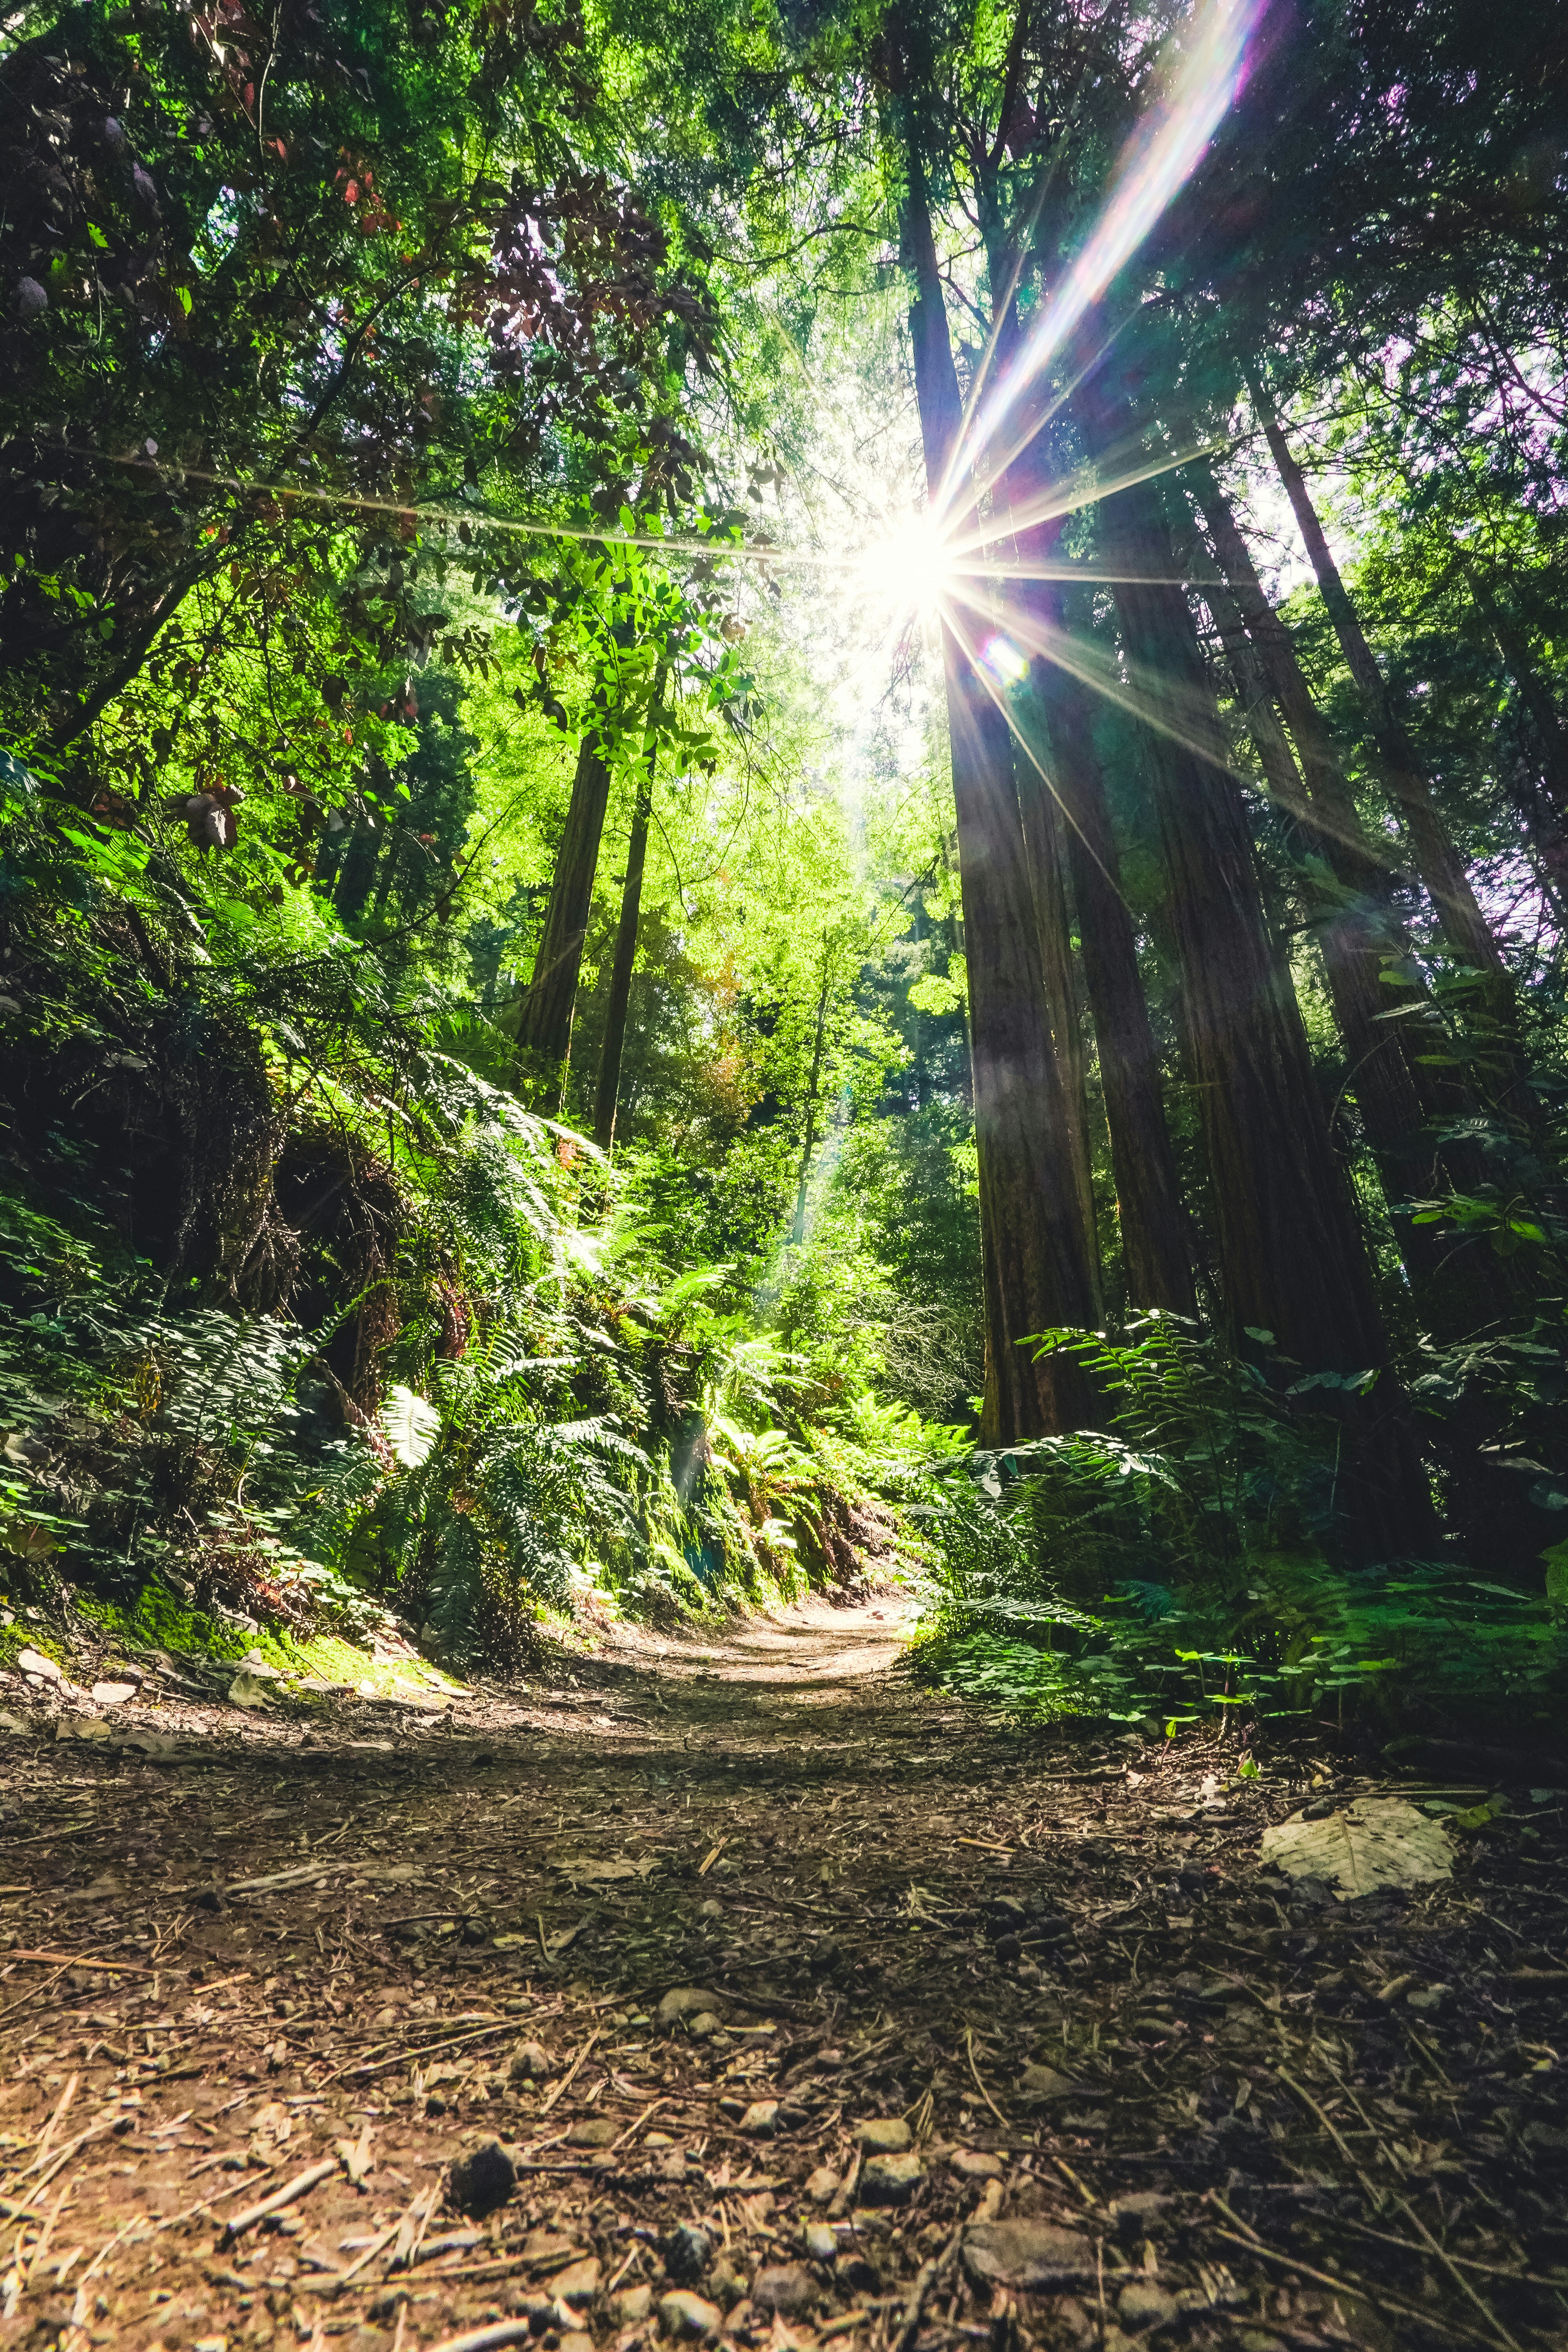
column 1004, row 661
column 908, row 566
column 1160, row 157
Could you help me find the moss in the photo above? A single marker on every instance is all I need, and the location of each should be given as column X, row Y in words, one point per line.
column 160, row 1620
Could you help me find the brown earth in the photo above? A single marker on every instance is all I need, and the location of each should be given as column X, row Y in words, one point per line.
column 1153, row 2090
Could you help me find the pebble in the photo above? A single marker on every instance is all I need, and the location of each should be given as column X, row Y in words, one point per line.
column 822, row 2185
column 483, row 2181
column 578, row 2283
column 890, row 2180
column 1041, row 2083
column 761, row 2119
column 789, row 2289
column 686, row 2253
column 974, row 2164
column 530, row 2063
column 1029, row 2254
column 884, row 2136
column 687, row 2001
column 593, row 2131
column 705, row 2024
column 821, row 2242
column 631, row 2306
column 1144, row 2305
column 688, row 2317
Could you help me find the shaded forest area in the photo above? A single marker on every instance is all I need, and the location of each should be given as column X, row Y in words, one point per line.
column 787, row 794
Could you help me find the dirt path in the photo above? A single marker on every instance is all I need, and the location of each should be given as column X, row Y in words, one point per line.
column 1015, row 2041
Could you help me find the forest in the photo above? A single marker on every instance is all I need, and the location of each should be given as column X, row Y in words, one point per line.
column 786, row 796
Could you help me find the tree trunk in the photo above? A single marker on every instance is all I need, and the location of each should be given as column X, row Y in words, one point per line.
column 1156, row 1258
column 1039, row 1259
column 615, row 1041
column 797, row 1230
column 545, row 1032
column 1440, row 866
column 1291, row 1259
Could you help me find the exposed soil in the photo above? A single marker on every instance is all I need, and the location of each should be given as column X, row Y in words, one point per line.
column 1153, row 2090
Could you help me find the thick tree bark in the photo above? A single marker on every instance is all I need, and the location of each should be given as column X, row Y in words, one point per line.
column 545, row 1032
column 1039, row 1259
column 615, row 1043
column 1542, row 801
column 1156, row 1257
column 1438, row 862
column 1291, row 1257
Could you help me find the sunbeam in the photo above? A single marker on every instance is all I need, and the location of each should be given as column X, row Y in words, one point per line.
column 1160, row 156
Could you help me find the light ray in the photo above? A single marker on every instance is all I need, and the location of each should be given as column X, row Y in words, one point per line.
column 1160, row 156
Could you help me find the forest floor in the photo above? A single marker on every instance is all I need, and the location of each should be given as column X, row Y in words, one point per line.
column 1006, row 2036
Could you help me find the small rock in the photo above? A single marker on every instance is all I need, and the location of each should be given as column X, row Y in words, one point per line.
column 822, row 2185
column 711, row 1909
column 672, row 2167
column 974, row 2164
column 853, row 2274
column 112, row 1694
column 725, row 2284
column 761, row 2119
column 576, row 2339
column 821, row 2242
column 631, row 2305
column 1426, row 2000
column 890, row 2180
column 593, row 2131
column 33, row 1661
column 686, row 2253
column 688, row 2000
column 705, row 2024
column 688, row 2317
column 789, row 2289
column 1028, row 2254
column 482, row 2181
column 578, row 2283
column 1144, row 2305
column 249, row 1690
column 1073, row 2325
column 530, row 2063
column 884, row 2136
column 1038, row 2084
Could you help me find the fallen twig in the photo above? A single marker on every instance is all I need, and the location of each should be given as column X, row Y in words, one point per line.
column 569, row 2077
column 112, row 1967
column 302, row 2182
column 488, row 2339
column 969, row 2047
column 928, row 2274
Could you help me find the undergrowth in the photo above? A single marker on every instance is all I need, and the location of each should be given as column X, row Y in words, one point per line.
column 1188, row 1564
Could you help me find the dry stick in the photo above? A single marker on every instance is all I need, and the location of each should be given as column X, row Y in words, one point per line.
column 1463, row 2284
column 47, row 2136
column 112, row 1967
column 488, row 2339
column 426, row 2050
column 928, row 2274
column 969, row 2047
column 38, row 1989
column 1342, row 2286
column 1488, row 2270
column 237, row 2224
column 569, row 2077
column 192, row 2212
column 1308, row 2101
column 635, row 2127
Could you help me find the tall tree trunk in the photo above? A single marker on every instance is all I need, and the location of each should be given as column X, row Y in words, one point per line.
column 615, row 1042
column 544, row 1031
column 813, row 1092
column 1039, row 1259
column 1542, row 802
column 1291, row 1257
column 1438, row 862
column 1401, row 1070
column 1156, row 1256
